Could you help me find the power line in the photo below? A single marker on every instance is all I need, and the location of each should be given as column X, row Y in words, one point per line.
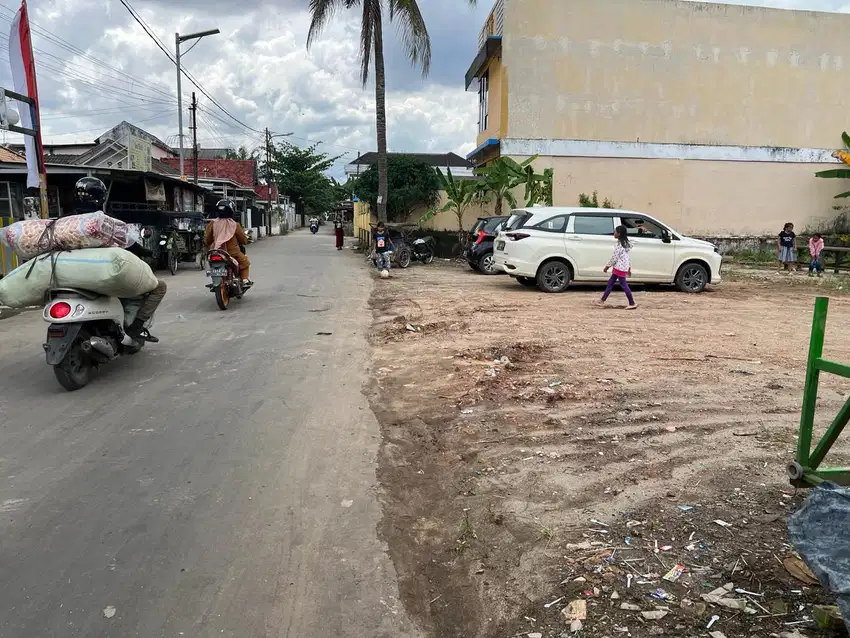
column 188, row 75
column 64, row 44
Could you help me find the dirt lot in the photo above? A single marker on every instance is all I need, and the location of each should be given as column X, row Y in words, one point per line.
column 538, row 448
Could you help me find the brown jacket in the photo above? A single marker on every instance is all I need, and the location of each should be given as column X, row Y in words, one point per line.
column 232, row 246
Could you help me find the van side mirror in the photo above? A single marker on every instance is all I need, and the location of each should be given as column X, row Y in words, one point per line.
column 665, row 237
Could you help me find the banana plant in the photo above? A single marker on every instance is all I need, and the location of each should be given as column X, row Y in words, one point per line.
column 839, row 173
column 502, row 177
column 460, row 195
column 538, row 188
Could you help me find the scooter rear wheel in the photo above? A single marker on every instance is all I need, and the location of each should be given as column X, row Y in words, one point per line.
column 74, row 371
column 222, row 295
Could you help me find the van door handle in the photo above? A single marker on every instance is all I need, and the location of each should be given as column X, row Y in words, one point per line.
column 573, row 238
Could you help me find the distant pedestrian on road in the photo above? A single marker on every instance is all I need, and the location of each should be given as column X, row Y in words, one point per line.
column 339, row 233
column 787, row 245
column 621, row 268
column 815, row 252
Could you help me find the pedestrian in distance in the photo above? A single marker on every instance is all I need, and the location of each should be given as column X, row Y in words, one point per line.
column 621, row 268
column 338, row 232
column 815, row 252
column 787, row 245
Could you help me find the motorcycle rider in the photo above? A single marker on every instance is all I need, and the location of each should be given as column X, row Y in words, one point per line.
column 314, row 222
column 90, row 197
column 225, row 233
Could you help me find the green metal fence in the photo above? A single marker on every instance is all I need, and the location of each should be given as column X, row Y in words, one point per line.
column 806, row 470
column 8, row 259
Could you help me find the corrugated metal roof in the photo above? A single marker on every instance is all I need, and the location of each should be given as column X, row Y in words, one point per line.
column 433, row 159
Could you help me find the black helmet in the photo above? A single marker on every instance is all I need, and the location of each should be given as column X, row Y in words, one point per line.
column 89, row 195
column 225, row 208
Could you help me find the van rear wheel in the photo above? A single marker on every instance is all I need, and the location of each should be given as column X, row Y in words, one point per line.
column 553, row 276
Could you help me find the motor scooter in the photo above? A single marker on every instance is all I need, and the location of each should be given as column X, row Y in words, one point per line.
column 86, row 330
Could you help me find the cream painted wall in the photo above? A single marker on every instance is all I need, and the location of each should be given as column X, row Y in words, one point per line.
column 702, row 197
column 677, row 72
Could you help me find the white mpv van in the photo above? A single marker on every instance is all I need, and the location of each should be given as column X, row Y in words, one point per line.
column 550, row 247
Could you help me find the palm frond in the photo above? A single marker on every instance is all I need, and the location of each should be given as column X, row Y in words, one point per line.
column 834, row 173
column 322, row 11
column 846, row 139
column 413, row 32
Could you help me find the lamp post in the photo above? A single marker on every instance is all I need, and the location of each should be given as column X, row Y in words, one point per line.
column 178, row 39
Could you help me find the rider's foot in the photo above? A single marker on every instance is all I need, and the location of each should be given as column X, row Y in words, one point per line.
column 137, row 330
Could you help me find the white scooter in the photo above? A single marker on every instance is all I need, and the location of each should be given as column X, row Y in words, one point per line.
column 86, row 330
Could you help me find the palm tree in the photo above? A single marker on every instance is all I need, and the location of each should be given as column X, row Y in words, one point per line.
column 417, row 44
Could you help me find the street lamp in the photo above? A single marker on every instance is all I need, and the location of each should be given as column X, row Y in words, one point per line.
column 177, row 40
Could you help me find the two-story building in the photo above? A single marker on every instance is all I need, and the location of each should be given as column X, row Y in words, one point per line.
column 713, row 117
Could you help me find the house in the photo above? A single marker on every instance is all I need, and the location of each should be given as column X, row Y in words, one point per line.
column 459, row 166
column 713, row 117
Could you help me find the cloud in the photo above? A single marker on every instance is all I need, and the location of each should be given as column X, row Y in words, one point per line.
column 94, row 73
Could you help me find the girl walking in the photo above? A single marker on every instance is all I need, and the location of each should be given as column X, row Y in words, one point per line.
column 621, row 267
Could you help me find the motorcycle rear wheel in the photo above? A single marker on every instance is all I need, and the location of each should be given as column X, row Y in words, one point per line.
column 74, row 371
column 222, row 295
column 428, row 256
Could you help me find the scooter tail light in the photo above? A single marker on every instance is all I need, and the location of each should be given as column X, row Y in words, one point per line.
column 216, row 258
column 60, row 310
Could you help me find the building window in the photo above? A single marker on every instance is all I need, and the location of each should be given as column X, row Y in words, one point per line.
column 11, row 200
column 483, row 99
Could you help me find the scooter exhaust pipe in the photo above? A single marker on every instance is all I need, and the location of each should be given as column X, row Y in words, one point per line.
column 101, row 345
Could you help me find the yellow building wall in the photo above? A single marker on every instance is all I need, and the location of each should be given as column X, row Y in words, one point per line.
column 672, row 71
column 702, row 197
column 497, row 102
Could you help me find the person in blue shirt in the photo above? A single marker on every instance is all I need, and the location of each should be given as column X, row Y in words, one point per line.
column 382, row 247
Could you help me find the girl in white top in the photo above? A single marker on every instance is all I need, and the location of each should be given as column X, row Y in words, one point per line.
column 621, row 266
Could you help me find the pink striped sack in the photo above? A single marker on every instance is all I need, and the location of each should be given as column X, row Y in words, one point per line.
column 35, row 237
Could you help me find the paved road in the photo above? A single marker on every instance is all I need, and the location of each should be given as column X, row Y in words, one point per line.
column 221, row 483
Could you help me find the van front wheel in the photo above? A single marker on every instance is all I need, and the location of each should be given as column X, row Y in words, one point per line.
column 692, row 278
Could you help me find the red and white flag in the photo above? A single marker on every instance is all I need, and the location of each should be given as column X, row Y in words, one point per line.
column 23, row 75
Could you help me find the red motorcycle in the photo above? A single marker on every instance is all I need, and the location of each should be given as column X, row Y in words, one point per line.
column 226, row 282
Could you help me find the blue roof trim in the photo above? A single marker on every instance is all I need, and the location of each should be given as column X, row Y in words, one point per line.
column 490, row 142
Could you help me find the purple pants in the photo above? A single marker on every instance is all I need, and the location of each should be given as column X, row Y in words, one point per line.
column 623, row 284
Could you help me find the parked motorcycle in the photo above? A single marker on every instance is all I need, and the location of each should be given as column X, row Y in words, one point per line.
column 422, row 249
column 226, row 282
column 87, row 329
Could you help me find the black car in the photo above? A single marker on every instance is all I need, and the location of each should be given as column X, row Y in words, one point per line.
column 479, row 255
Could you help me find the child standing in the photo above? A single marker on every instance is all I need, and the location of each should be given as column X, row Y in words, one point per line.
column 815, row 250
column 621, row 266
column 787, row 245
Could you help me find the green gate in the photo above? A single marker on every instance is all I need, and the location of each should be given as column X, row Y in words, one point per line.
column 8, row 259
column 806, row 470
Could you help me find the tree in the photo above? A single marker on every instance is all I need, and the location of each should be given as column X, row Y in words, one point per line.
column 300, row 173
column 460, row 195
column 417, row 45
column 592, row 201
column 239, row 154
column 503, row 176
column 839, row 173
column 412, row 184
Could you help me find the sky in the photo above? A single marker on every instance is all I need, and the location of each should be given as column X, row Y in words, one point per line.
column 97, row 66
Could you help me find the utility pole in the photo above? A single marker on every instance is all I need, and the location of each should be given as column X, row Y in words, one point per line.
column 178, row 39
column 194, row 110
column 269, row 181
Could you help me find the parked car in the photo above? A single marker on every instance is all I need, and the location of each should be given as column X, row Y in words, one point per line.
column 553, row 246
column 479, row 255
